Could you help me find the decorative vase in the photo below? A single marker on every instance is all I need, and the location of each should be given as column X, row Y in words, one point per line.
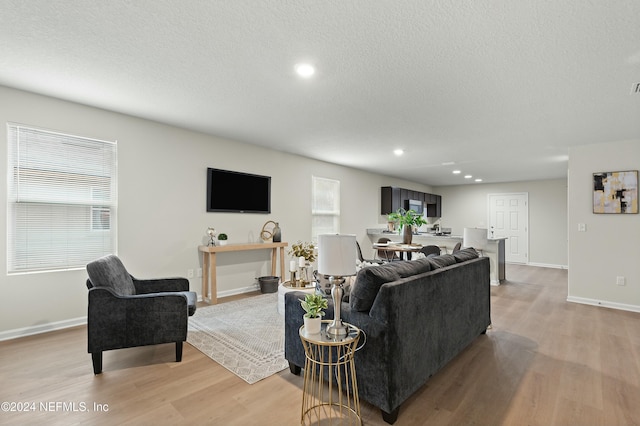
column 407, row 234
column 312, row 325
column 222, row 242
column 277, row 233
column 306, row 272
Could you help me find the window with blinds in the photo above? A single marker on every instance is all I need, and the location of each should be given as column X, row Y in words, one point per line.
column 325, row 210
column 61, row 200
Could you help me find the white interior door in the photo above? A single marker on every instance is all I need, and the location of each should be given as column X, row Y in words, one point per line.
column 509, row 218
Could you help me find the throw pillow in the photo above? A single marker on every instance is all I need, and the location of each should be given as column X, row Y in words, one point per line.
column 442, row 261
column 368, row 283
column 465, row 254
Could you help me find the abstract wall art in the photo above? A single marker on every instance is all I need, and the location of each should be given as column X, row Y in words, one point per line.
column 615, row 192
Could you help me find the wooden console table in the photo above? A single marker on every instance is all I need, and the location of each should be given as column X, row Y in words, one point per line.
column 209, row 264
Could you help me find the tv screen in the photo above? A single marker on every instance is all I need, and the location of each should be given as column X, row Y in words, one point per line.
column 229, row 191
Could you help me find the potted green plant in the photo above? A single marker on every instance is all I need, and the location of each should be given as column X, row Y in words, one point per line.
column 314, row 306
column 406, row 219
column 222, row 239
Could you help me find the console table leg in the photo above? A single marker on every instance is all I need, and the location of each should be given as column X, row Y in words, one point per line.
column 205, row 276
column 274, row 259
column 214, row 282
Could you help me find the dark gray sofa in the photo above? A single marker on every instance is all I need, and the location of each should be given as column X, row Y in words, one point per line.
column 417, row 316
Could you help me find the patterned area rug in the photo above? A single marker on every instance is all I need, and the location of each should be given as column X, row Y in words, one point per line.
column 244, row 336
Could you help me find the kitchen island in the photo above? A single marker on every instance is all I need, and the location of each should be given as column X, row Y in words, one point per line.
column 494, row 249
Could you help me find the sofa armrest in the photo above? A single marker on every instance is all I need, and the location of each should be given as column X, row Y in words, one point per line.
column 160, row 285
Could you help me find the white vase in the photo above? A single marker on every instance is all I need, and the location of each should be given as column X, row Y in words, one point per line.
column 312, row 325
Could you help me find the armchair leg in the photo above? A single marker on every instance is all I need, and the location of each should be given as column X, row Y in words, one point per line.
column 96, row 357
column 178, row 351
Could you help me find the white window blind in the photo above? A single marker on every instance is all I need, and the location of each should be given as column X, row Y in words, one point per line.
column 325, row 210
column 61, row 200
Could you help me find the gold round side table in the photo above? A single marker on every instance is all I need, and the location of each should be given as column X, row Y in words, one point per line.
column 330, row 392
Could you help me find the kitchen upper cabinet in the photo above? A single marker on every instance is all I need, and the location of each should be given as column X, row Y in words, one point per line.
column 434, row 208
column 392, row 198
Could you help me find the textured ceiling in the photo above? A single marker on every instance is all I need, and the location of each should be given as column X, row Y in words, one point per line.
column 500, row 88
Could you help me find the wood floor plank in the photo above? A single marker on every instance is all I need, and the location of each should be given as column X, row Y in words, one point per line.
column 545, row 361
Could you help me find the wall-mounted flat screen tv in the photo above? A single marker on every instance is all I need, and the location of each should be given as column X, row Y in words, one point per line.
column 238, row 192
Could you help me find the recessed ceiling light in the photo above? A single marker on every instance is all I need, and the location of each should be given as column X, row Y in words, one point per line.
column 478, row 180
column 305, row 70
column 398, row 152
column 468, row 176
column 456, row 172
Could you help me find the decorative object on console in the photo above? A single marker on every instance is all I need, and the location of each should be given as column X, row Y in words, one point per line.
column 615, row 192
column 271, row 232
column 277, row 233
column 337, row 259
column 222, row 238
column 211, row 232
column 406, row 219
column 314, row 306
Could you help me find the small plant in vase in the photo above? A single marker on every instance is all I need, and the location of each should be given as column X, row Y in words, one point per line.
column 222, row 239
column 305, row 254
column 314, row 306
column 407, row 219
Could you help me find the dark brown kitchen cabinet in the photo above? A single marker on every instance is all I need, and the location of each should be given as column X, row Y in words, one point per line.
column 392, row 198
column 434, row 208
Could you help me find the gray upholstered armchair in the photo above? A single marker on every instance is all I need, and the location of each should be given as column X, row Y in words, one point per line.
column 125, row 312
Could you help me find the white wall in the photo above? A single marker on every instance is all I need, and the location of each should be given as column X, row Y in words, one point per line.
column 162, row 217
column 610, row 247
column 466, row 206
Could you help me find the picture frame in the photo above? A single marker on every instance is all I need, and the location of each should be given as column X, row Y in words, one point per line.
column 615, row 192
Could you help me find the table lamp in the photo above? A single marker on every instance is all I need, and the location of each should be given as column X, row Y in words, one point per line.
column 337, row 259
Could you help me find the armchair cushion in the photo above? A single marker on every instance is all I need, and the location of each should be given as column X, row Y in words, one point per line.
column 108, row 271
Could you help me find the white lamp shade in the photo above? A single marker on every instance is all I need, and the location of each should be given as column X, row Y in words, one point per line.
column 337, row 255
column 475, row 237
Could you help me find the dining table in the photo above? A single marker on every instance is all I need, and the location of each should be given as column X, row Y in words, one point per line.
column 389, row 248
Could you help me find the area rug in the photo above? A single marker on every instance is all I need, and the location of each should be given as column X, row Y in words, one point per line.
column 244, row 336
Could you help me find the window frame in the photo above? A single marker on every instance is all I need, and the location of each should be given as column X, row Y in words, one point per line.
column 56, row 184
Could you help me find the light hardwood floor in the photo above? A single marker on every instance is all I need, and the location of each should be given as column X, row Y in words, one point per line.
column 544, row 362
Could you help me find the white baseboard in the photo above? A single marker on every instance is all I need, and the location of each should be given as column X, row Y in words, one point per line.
column 547, row 265
column 235, row 291
column 604, row 304
column 41, row 328
column 241, row 290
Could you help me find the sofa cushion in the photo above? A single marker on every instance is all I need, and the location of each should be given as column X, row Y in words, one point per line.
column 465, row 254
column 421, row 265
column 442, row 261
column 410, row 268
column 368, row 282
